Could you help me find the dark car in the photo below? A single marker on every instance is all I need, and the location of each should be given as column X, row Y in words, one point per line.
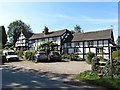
column 54, row 56
column 40, row 56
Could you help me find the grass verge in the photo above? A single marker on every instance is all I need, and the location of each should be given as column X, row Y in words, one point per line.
column 105, row 81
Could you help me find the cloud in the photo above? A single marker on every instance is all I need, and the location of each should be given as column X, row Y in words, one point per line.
column 62, row 16
column 100, row 20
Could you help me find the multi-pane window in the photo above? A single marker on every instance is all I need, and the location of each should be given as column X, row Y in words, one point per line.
column 100, row 42
column 105, row 42
column 77, row 43
column 95, row 42
column 75, row 49
column 91, row 43
column 43, row 39
column 54, row 38
column 86, row 44
column 100, row 50
column 69, row 44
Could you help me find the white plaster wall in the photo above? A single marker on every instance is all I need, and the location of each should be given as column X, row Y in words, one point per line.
column 87, row 50
column 80, row 56
column 105, row 50
column 93, row 50
column 80, row 50
column 106, row 56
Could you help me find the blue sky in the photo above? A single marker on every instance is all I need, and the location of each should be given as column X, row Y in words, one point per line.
column 91, row 16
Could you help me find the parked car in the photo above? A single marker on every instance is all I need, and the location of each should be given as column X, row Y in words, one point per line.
column 40, row 56
column 54, row 56
column 10, row 55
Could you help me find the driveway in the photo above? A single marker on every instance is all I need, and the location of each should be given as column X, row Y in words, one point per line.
column 65, row 67
column 27, row 74
column 62, row 71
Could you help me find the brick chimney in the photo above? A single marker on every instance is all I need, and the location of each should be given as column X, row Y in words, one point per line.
column 46, row 30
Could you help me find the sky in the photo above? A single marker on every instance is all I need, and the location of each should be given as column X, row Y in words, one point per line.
column 91, row 16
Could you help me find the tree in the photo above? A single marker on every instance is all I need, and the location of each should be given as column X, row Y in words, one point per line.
column 89, row 57
column 15, row 28
column 48, row 46
column 4, row 35
column 77, row 29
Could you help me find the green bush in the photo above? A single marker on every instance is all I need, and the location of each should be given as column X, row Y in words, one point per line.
column 29, row 54
column 116, row 54
column 89, row 57
column 87, row 75
column 79, row 59
column 73, row 57
column 66, row 56
column 20, row 53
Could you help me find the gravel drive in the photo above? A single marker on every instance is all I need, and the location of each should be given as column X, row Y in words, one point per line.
column 70, row 67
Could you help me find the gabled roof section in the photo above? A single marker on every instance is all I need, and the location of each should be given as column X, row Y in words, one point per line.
column 95, row 35
column 50, row 34
column 27, row 34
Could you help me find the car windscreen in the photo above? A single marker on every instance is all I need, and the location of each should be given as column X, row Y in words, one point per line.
column 11, row 53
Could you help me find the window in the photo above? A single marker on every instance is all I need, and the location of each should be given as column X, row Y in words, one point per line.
column 91, row 43
column 86, row 44
column 75, row 49
column 105, row 42
column 54, row 38
column 77, row 44
column 43, row 39
column 95, row 42
column 69, row 44
column 100, row 50
column 100, row 42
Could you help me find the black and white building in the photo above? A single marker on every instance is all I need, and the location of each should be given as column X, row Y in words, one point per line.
column 22, row 40
column 99, row 42
column 59, row 37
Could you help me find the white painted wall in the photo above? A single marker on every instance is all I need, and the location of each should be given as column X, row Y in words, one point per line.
column 87, row 50
column 93, row 50
column 106, row 56
column 105, row 50
column 80, row 56
column 80, row 50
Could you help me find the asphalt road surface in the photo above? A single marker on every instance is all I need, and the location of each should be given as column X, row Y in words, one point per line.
column 20, row 78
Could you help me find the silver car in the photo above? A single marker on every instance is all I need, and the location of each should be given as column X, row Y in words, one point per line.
column 40, row 56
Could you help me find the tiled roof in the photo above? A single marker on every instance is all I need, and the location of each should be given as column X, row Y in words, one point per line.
column 94, row 35
column 50, row 34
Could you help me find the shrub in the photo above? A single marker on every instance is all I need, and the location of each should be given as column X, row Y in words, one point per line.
column 66, row 56
column 74, row 57
column 106, row 81
column 115, row 54
column 29, row 54
column 89, row 57
column 79, row 59
column 20, row 53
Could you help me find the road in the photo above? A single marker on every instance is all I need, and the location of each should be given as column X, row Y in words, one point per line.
column 13, row 77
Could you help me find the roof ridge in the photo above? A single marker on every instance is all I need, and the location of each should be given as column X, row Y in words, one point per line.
column 93, row 31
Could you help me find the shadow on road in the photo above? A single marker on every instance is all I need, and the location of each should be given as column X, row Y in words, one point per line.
column 14, row 77
column 21, row 78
